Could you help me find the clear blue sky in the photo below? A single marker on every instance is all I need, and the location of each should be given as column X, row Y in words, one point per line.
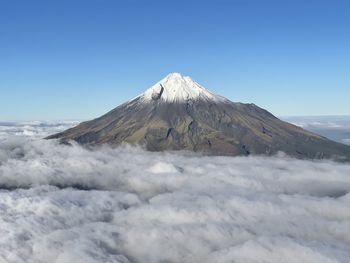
column 77, row 59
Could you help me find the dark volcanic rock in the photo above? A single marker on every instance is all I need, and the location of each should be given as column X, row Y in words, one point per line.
column 178, row 114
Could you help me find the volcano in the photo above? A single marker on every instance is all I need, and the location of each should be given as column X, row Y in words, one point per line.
column 179, row 114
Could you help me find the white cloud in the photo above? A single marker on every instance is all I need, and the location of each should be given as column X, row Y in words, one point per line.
column 33, row 129
column 322, row 122
column 336, row 128
column 346, row 141
column 137, row 206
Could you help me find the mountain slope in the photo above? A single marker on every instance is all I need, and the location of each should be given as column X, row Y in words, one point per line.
column 178, row 114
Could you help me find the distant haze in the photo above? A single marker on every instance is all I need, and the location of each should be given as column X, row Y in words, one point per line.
column 336, row 128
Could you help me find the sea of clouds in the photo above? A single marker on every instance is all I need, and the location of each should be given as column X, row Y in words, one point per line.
column 63, row 204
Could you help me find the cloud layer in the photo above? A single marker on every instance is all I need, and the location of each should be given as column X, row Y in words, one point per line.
column 68, row 204
column 33, row 129
column 336, row 128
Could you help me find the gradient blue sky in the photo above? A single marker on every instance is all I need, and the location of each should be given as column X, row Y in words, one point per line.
column 77, row 59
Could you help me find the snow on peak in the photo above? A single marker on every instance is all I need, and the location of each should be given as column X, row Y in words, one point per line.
column 177, row 88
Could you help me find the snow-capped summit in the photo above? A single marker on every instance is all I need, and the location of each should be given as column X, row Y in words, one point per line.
column 177, row 88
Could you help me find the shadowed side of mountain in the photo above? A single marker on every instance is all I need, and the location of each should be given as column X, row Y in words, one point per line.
column 210, row 127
